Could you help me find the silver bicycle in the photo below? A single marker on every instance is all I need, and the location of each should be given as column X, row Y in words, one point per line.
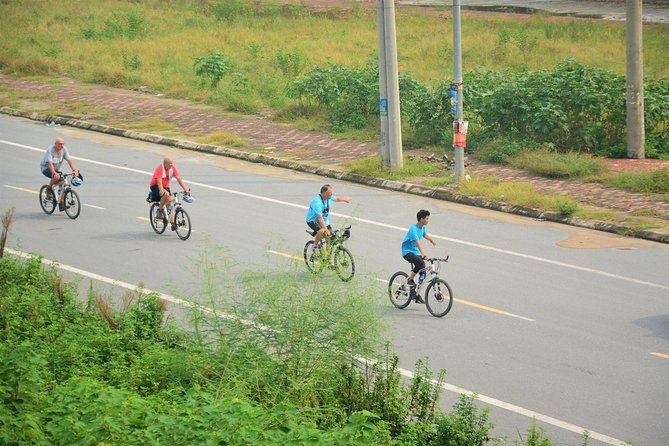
column 64, row 197
column 438, row 294
column 160, row 219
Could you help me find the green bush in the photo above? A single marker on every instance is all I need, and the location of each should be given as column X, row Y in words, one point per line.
column 574, row 107
column 212, row 67
column 464, row 426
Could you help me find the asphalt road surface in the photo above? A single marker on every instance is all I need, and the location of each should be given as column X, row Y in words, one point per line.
column 564, row 325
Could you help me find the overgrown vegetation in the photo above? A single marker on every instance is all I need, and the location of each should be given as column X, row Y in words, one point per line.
column 273, row 370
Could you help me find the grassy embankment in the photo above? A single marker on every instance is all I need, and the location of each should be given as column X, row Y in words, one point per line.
column 266, row 46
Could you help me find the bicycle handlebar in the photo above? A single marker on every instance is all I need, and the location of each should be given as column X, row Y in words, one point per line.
column 437, row 259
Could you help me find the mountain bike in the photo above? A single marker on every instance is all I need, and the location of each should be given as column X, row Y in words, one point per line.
column 331, row 253
column 160, row 219
column 65, row 197
column 438, row 294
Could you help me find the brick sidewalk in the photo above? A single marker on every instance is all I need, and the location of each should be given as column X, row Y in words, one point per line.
column 124, row 106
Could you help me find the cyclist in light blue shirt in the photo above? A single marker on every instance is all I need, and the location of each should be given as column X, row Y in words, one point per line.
column 412, row 251
column 319, row 212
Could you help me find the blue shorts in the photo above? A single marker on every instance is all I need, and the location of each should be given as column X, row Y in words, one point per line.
column 47, row 173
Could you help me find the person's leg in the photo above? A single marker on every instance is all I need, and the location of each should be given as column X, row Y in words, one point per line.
column 416, row 263
column 165, row 200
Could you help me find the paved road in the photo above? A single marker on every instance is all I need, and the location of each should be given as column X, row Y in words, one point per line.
column 657, row 11
column 538, row 328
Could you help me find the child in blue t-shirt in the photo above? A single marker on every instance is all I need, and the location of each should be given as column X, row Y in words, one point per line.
column 412, row 251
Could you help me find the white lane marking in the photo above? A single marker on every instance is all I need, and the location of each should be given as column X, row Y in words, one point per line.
column 449, row 387
column 481, row 307
column 95, row 207
column 384, row 225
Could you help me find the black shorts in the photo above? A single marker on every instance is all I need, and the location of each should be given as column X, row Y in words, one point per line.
column 416, row 261
column 155, row 193
column 315, row 226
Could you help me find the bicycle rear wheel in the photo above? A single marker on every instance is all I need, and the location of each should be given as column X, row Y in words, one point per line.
column 312, row 257
column 158, row 223
column 343, row 263
column 72, row 204
column 398, row 290
column 182, row 224
column 438, row 298
column 47, row 200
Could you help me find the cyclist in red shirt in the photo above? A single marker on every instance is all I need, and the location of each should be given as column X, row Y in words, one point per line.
column 160, row 186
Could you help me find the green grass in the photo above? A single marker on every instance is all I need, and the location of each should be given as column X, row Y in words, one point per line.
column 558, row 165
column 222, row 138
column 413, row 167
column 655, row 181
column 518, row 194
column 128, row 44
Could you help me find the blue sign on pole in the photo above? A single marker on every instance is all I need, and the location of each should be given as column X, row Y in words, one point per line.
column 383, row 107
column 454, row 100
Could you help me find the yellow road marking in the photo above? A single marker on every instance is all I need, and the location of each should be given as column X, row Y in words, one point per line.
column 482, row 307
column 283, row 254
column 660, row 355
column 143, row 218
column 462, row 301
column 22, row 189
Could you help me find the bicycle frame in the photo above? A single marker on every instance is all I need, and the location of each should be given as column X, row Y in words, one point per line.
column 66, row 178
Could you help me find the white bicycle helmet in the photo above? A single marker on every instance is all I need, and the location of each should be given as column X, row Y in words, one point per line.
column 76, row 181
column 188, row 198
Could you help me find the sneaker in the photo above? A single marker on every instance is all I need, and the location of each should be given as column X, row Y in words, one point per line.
column 418, row 299
column 159, row 214
column 173, row 226
column 411, row 284
column 61, row 206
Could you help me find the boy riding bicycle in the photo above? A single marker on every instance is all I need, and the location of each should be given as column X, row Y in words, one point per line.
column 412, row 251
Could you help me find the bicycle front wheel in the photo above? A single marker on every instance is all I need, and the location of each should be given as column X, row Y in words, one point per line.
column 158, row 223
column 398, row 290
column 438, row 298
column 47, row 200
column 312, row 257
column 343, row 263
column 72, row 204
column 182, row 224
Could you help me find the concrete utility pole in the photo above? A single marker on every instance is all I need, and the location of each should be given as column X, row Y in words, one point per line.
column 383, row 85
column 457, row 76
column 394, row 130
column 635, row 113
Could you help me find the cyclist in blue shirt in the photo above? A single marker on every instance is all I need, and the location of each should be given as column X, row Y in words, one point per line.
column 319, row 211
column 412, row 251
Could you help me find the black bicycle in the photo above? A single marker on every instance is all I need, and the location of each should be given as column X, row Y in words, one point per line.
column 64, row 197
column 438, row 294
column 160, row 218
column 331, row 253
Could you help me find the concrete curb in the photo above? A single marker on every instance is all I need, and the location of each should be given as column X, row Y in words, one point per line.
column 398, row 186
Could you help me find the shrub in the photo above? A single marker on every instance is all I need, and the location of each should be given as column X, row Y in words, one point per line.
column 464, row 426
column 212, row 67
